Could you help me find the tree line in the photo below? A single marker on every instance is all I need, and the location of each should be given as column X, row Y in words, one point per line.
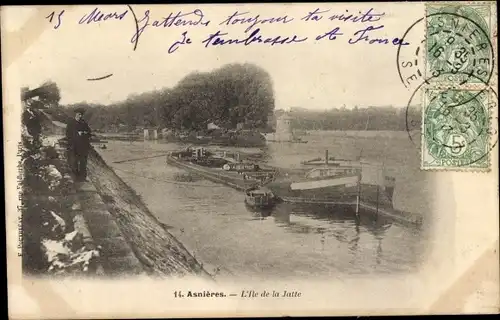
column 231, row 95
column 228, row 96
column 368, row 118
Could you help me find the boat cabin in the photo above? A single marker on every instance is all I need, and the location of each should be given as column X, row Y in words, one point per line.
column 260, row 197
column 331, row 172
column 198, row 152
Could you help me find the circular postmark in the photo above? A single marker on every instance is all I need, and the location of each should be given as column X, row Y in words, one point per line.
column 456, row 49
column 452, row 130
column 456, row 124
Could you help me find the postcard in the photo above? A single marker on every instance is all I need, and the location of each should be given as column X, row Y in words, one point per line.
column 230, row 160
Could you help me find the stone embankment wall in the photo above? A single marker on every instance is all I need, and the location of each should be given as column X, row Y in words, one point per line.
column 159, row 252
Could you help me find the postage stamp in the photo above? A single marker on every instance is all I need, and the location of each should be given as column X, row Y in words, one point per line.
column 459, row 67
column 459, row 48
column 455, row 129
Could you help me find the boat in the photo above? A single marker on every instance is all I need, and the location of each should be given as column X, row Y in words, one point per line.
column 260, row 198
column 361, row 185
column 355, row 183
column 236, row 173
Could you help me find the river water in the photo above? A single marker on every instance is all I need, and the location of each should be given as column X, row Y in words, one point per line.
column 213, row 223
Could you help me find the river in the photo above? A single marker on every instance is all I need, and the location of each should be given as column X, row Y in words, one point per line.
column 213, row 223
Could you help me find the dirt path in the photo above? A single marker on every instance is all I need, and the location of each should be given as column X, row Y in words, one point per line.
column 160, row 252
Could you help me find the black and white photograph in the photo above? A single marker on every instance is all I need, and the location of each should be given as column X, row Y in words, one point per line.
column 274, row 154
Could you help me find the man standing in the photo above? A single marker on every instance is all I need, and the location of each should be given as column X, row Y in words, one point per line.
column 31, row 120
column 78, row 136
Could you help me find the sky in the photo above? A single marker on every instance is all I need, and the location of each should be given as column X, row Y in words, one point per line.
column 311, row 74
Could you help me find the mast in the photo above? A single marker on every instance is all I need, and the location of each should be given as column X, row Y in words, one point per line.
column 358, row 196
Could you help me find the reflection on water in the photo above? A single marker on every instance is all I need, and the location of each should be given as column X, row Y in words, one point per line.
column 328, row 221
column 288, row 241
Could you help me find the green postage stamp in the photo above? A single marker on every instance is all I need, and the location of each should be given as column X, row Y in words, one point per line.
column 456, row 129
column 459, row 99
column 458, row 44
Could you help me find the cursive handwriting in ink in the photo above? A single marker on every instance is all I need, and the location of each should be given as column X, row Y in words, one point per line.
column 242, row 18
column 315, row 15
column 136, row 42
column 332, row 34
column 59, row 18
column 216, row 39
column 97, row 16
column 193, row 18
column 175, row 45
column 368, row 16
column 362, row 34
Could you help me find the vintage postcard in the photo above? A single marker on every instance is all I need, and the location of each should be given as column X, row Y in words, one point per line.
column 223, row 160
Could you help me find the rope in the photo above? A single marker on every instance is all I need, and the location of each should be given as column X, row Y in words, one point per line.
column 142, row 158
column 170, row 181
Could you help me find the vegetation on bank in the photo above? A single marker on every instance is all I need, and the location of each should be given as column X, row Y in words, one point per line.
column 229, row 96
column 50, row 242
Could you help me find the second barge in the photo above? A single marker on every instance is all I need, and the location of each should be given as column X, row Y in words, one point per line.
column 217, row 168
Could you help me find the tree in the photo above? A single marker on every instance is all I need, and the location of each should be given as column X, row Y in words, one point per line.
column 232, row 94
column 48, row 94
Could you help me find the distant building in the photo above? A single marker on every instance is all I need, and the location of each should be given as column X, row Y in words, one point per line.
column 150, row 134
column 283, row 129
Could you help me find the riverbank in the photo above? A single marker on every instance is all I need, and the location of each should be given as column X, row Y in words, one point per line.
column 160, row 253
column 114, row 230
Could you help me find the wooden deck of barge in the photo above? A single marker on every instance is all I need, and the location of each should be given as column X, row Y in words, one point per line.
column 230, row 178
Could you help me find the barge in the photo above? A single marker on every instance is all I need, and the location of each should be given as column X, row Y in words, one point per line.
column 234, row 173
column 362, row 185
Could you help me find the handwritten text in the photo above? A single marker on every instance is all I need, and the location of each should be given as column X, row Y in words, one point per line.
column 367, row 20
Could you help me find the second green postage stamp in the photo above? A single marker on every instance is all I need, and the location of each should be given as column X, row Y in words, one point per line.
column 456, row 129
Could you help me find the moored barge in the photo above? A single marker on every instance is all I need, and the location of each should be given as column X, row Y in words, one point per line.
column 234, row 173
column 362, row 185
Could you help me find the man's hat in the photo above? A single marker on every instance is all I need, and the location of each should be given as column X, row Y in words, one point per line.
column 79, row 110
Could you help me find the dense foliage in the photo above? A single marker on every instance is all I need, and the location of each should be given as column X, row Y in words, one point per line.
column 46, row 95
column 232, row 94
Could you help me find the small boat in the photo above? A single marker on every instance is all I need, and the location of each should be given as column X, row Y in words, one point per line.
column 260, row 198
